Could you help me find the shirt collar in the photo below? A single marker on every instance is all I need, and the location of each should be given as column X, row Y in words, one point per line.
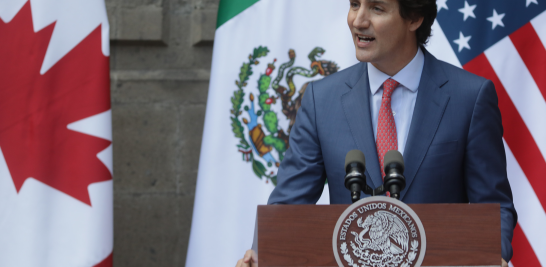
column 409, row 76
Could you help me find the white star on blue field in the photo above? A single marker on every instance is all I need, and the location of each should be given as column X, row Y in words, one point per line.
column 472, row 26
column 496, row 19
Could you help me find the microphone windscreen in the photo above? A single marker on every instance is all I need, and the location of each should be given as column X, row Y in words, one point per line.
column 393, row 156
column 355, row 156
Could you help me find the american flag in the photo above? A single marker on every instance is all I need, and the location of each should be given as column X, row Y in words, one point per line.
column 504, row 41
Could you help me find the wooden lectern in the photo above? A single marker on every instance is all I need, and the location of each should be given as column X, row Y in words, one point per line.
column 456, row 234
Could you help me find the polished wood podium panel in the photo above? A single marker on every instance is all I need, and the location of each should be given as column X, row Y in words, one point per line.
column 456, row 234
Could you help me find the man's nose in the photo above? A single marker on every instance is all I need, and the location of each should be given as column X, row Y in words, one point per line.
column 362, row 20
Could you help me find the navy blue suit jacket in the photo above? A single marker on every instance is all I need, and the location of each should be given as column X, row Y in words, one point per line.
column 454, row 151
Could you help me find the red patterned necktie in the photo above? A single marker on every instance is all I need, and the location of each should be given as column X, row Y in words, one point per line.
column 386, row 129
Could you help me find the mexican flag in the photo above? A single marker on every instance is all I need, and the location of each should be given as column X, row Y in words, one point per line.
column 265, row 53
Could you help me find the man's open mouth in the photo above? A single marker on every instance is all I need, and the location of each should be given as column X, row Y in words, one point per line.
column 365, row 39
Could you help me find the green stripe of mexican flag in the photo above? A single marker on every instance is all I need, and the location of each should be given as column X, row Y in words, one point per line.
column 262, row 50
column 229, row 9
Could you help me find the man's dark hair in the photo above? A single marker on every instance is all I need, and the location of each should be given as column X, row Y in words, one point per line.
column 413, row 10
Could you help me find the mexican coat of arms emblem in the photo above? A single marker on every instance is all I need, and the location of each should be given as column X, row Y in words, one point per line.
column 263, row 139
column 379, row 232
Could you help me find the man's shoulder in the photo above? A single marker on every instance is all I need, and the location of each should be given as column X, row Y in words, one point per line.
column 459, row 77
column 340, row 79
column 462, row 86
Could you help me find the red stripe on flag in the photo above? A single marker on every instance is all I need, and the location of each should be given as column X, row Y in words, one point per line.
column 524, row 255
column 516, row 134
column 108, row 262
column 533, row 54
column 525, row 150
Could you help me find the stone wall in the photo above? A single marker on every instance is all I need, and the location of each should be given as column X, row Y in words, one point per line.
column 161, row 52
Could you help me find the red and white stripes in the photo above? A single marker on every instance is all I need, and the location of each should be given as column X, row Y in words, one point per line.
column 517, row 67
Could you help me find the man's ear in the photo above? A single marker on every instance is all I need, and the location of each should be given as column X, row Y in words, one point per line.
column 415, row 23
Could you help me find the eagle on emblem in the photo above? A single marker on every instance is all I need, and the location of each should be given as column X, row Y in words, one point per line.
column 386, row 232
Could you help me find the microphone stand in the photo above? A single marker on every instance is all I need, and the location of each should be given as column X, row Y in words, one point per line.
column 374, row 192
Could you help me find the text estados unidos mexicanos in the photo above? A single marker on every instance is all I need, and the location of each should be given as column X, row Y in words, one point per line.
column 374, row 206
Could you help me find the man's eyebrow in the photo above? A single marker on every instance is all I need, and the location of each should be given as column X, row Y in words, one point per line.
column 377, row 2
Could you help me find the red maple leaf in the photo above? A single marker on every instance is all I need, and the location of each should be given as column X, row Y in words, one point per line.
column 36, row 109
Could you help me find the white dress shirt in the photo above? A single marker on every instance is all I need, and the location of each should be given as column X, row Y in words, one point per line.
column 402, row 99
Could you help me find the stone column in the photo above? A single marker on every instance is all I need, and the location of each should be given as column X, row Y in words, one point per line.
column 161, row 52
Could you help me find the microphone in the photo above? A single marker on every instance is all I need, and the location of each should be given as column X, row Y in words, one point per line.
column 355, row 180
column 394, row 180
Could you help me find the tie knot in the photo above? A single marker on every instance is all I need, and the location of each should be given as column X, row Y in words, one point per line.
column 388, row 87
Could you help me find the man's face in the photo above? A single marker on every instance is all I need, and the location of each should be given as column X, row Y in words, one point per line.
column 379, row 33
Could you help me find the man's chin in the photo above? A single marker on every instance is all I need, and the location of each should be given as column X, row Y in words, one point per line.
column 364, row 57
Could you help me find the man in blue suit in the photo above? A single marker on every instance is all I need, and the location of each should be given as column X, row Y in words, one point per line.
column 447, row 121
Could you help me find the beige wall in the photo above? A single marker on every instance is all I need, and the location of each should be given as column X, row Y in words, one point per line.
column 161, row 52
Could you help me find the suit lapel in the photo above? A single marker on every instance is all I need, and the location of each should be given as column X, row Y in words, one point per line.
column 355, row 102
column 429, row 110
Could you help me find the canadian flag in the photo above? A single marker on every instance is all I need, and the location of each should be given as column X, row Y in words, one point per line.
column 56, row 203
